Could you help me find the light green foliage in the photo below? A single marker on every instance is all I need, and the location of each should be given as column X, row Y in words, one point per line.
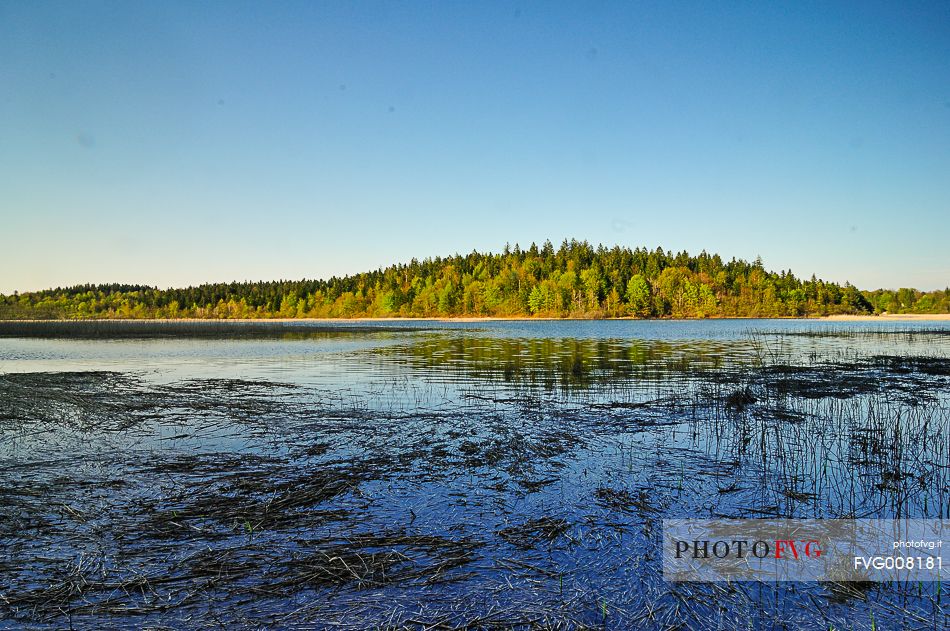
column 575, row 280
column 638, row 296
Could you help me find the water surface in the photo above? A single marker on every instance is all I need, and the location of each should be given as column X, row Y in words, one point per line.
column 509, row 473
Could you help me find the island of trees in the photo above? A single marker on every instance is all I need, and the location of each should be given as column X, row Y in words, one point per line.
column 574, row 280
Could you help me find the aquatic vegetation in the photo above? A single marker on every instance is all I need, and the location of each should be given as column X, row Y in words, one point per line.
column 212, row 329
column 469, row 481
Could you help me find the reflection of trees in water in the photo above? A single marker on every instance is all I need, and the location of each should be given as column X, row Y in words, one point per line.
column 503, row 497
column 567, row 362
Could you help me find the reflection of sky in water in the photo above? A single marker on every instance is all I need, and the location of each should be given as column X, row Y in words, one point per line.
column 464, row 430
column 305, row 361
column 455, row 351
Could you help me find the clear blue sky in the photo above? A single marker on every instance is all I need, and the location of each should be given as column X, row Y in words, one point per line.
column 177, row 143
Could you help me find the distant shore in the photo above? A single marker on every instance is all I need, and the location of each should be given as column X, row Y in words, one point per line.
column 886, row 317
column 891, row 317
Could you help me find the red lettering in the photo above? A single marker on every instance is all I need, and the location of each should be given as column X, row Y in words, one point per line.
column 781, row 544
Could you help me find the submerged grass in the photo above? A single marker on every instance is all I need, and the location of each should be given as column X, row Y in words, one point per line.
column 528, row 496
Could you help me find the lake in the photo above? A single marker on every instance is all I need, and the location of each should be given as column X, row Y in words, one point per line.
column 423, row 474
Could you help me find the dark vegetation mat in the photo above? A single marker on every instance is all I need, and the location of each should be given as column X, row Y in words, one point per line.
column 219, row 329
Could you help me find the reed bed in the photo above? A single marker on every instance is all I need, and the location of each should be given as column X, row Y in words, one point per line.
column 220, row 329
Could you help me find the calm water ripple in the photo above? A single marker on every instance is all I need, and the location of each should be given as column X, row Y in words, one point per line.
column 495, row 473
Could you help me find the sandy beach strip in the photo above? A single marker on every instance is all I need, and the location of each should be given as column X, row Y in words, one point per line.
column 891, row 317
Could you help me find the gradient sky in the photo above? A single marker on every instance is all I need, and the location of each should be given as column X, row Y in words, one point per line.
column 177, row 143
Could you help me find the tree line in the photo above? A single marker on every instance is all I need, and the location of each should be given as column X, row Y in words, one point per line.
column 574, row 280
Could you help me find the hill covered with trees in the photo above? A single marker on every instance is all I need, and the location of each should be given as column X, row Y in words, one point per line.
column 575, row 280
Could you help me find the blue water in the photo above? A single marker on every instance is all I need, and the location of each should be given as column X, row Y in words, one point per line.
column 336, row 357
column 450, row 443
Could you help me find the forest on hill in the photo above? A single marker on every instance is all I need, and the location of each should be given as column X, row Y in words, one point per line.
column 575, row 280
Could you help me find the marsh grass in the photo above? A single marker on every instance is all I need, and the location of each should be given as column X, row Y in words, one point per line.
column 510, row 486
column 214, row 329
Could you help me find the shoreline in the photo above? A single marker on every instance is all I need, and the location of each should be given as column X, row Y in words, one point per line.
column 890, row 317
column 887, row 317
